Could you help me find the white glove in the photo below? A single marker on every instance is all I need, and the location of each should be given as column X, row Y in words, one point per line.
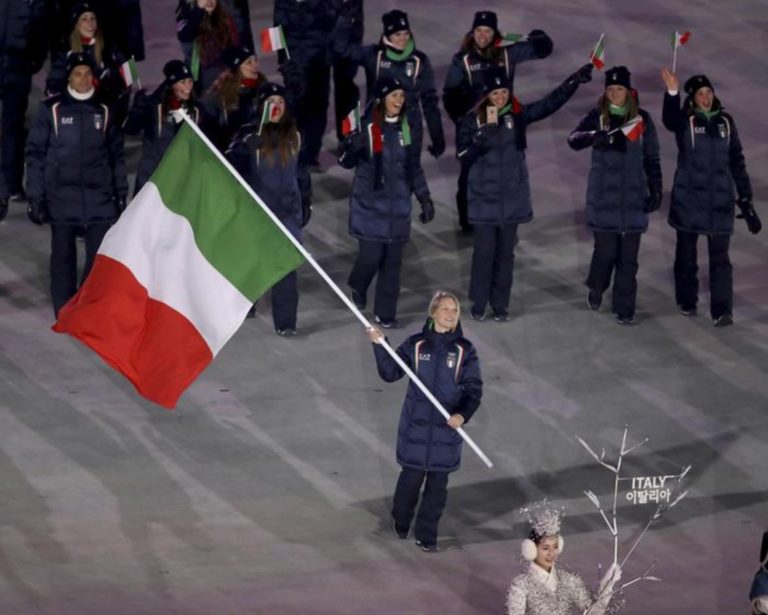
column 610, row 578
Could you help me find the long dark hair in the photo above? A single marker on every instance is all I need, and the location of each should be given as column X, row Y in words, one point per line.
column 280, row 139
column 216, row 33
column 492, row 53
column 165, row 100
column 631, row 105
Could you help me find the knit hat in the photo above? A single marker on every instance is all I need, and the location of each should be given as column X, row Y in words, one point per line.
column 270, row 89
column 78, row 10
column 395, row 21
column 618, row 75
column 697, row 82
column 385, row 86
column 495, row 79
column 176, row 70
column 233, row 57
column 78, row 58
column 487, row 19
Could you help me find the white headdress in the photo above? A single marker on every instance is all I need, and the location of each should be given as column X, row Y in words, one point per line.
column 545, row 521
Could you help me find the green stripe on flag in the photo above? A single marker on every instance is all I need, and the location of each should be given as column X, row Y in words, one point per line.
column 231, row 231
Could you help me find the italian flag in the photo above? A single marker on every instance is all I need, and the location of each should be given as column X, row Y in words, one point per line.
column 680, row 38
column 129, row 72
column 272, row 39
column 633, row 128
column 351, row 123
column 269, row 114
column 509, row 38
column 175, row 277
column 597, row 57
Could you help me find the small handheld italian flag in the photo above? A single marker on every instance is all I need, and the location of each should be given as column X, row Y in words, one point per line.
column 678, row 40
column 509, row 38
column 273, row 39
column 130, row 73
column 633, row 128
column 351, row 123
column 597, row 57
column 269, row 114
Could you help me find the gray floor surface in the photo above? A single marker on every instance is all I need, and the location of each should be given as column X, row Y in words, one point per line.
column 267, row 490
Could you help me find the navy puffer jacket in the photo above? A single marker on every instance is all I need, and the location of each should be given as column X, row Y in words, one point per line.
column 75, row 161
column 499, row 191
column 285, row 188
column 448, row 366
column 710, row 169
column 23, row 37
column 150, row 115
column 380, row 206
column 414, row 72
column 307, row 25
column 622, row 175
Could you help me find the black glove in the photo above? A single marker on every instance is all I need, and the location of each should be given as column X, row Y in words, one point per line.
column 749, row 215
column 484, row 134
column 542, row 44
column 583, row 75
column 602, row 140
column 306, row 211
column 652, row 202
column 437, row 148
column 427, row 210
column 37, row 212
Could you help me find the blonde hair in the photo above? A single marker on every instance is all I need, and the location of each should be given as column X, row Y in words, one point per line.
column 438, row 297
column 75, row 44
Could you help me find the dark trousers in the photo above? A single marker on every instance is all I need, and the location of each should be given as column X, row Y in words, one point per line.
column 432, row 502
column 616, row 252
column 313, row 108
column 14, row 96
column 345, row 93
column 285, row 302
column 63, row 264
column 462, row 202
column 386, row 260
column 720, row 273
column 493, row 261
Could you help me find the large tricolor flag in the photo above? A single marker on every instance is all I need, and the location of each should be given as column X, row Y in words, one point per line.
column 597, row 57
column 680, row 38
column 175, row 277
column 272, row 39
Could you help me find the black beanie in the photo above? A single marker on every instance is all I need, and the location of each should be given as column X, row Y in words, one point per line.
column 270, row 89
column 618, row 75
column 78, row 58
column 233, row 57
column 385, row 86
column 176, row 70
column 395, row 21
column 697, row 82
column 79, row 9
column 486, row 18
column 495, row 79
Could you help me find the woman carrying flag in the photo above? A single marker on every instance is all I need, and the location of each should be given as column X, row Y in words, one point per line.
column 710, row 179
column 624, row 186
column 491, row 148
column 266, row 154
column 387, row 172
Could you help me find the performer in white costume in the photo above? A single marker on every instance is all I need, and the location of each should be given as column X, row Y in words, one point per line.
column 545, row 589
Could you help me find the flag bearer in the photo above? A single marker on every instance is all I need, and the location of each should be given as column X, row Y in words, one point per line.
column 76, row 176
column 710, row 180
column 428, row 447
column 624, row 186
column 266, row 154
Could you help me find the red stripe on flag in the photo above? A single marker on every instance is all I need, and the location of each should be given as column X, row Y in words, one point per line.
column 151, row 344
column 684, row 37
column 597, row 62
column 266, row 42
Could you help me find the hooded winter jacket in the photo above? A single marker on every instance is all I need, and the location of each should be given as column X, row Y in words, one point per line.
column 75, row 161
column 499, row 191
column 448, row 366
column 622, row 175
column 380, row 206
column 710, row 172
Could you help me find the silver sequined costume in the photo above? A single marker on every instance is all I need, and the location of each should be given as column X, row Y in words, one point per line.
column 559, row 592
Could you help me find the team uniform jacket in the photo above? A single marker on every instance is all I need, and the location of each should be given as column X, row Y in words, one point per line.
column 75, row 161
column 621, row 176
column 307, row 25
column 710, row 170
column 448, row 366
column 499, row 191
column 380, row 206
column 23, row 37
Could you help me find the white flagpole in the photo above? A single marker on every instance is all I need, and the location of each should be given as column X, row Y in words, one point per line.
column 427, row 393
column 674, row 54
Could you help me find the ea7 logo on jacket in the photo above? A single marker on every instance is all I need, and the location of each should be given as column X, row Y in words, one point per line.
column 425, row 356
column 67, row 120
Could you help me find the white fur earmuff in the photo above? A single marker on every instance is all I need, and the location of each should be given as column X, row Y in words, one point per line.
column 529, row 550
